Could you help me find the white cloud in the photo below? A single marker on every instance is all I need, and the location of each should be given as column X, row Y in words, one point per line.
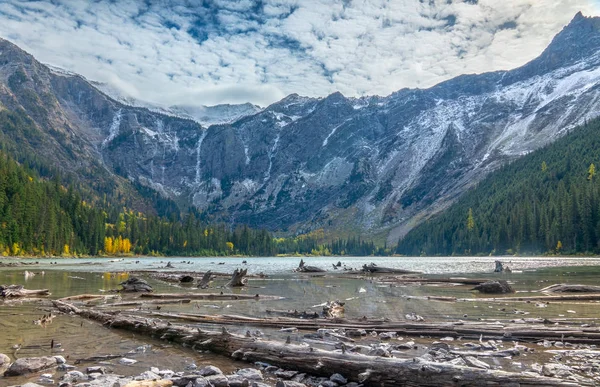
column 209, row 52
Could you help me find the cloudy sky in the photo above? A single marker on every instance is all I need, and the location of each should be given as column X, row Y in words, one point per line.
column 210, row 52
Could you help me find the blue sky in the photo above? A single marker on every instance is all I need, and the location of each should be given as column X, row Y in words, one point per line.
column 197, row 52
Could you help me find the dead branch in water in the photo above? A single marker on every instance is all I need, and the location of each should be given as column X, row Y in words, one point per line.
column 14, row 291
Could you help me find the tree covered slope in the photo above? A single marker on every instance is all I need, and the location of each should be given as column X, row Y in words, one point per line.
column 545, row 202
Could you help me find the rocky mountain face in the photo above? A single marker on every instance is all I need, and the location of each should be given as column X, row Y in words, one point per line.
column 375, row 164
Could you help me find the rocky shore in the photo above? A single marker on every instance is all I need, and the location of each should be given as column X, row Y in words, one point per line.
column 55, row 371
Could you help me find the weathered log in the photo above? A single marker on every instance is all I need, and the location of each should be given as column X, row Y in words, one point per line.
column 14, row 291
column 209, row 296
column 374, row 269
column 238, row 278
column 134, row 284
column 462, row 281
column 571, row 288
column 368, row 370
column 205, row 281
column 568, row 297
column 466, row 330
column 145, row 302
column 294, row 313
column 495, row 287
column 303, row 268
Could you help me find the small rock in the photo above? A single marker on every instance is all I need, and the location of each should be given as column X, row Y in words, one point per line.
column 209, row 371
column 73, row 376
column 4, row 363
column 250, row 374
column 60, row 359
column 339, row 379
column 127, row 361
column 238, row 381
column 285, row 374
column 65, row 367
column 217, row 380
column 96, row 370
column 27, row 365
column 289, row 383
column 329, row 383
column 148, row 375
column 150, row 383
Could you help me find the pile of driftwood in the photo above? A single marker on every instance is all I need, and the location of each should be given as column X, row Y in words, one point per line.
column 366, row 369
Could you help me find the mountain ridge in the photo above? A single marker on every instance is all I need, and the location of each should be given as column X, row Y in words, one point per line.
column 370, row 165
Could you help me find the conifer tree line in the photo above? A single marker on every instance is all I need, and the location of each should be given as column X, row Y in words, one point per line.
column 43, row 217
column 546, row 202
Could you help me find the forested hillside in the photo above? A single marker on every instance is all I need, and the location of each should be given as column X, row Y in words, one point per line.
column 545, row 202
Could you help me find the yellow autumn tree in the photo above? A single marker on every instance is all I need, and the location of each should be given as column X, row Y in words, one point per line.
column 591, row 171
column 229, row 245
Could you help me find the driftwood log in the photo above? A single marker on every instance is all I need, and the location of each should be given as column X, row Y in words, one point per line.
column 14, row 291
column 209, row 296
column 374, row 269
column 466, row 330
column 135, row 284
column 368, row 370
column 238, row 278
column 495, row 287
column 303, row 268
column 571, row 288
column 205, row 281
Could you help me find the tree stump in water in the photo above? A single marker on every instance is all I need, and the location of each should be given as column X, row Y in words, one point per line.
column 495, row 287
column 237, row 278
column 135, row 284
column 205, row 281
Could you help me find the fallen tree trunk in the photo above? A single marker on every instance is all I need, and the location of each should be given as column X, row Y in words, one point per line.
column 369, row 370
column 209, row 296
column 568, row 288
column 14, row 291
column 473, row 331
column 462, row 281
column 570, row 297
column 374, row 269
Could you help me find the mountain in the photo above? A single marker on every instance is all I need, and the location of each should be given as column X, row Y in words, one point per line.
column 375, row 165
column 204, row 115
column 545, row 202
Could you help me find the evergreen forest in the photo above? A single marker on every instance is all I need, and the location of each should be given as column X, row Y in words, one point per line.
column 547, row 202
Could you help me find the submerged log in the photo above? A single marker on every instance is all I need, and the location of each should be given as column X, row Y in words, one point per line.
column 368, row 370
column 205, row 281
column 14, row 291
column 238, row 278
column 135, row 284
column 568, row 288
column 495, row 287
column 294, row 314
column 303, row 268
column 186, row 279
column 374, row 269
